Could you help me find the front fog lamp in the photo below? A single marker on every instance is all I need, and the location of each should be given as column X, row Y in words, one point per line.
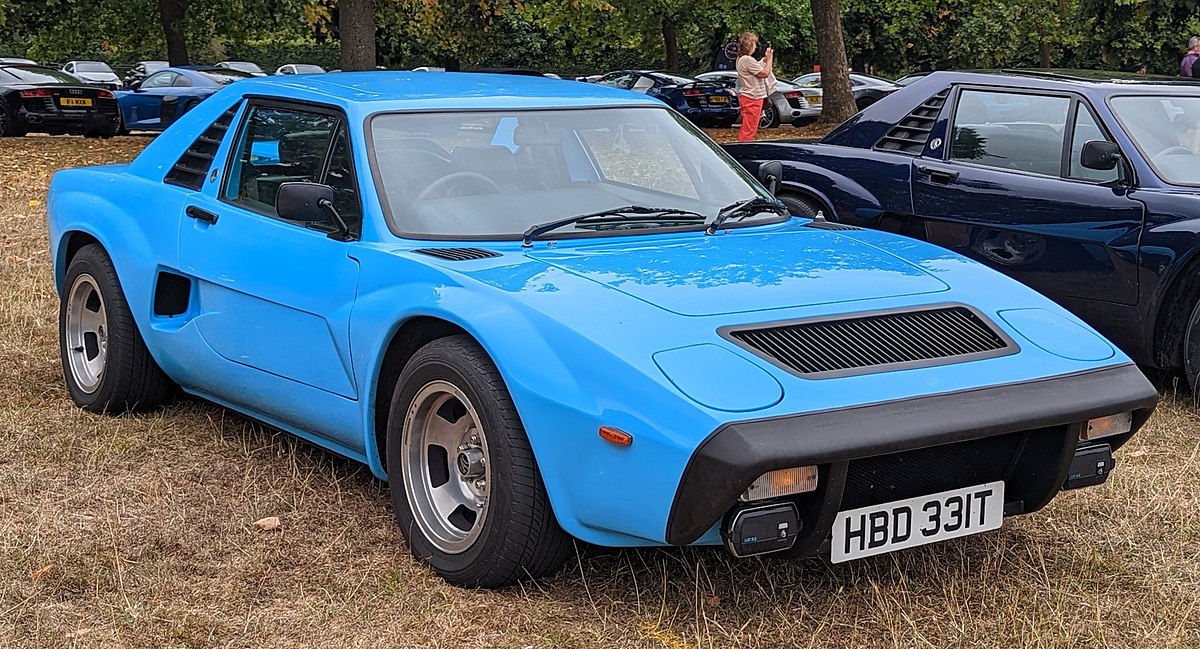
column 1106, row 426
column 783, row 482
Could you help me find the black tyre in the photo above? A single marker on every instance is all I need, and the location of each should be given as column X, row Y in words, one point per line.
column 800, row 205
column 770, row 116
column 864, row 102
column 105, row 361
column 8, row 124
column 1191, row 350
column 465, row 486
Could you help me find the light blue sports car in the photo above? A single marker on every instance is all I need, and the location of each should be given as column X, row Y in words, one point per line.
column 544, row 310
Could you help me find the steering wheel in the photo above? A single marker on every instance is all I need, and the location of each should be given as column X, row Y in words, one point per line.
column 444, row 187
column 1178, row 149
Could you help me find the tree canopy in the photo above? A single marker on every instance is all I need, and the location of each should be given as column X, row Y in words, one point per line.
column 589, row 36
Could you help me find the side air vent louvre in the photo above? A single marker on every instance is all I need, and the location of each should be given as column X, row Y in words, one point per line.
column 191, row 168
column 457, row 254
column 912, row 132
column 876, row 342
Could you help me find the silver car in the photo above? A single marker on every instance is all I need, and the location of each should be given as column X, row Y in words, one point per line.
column 789, row 104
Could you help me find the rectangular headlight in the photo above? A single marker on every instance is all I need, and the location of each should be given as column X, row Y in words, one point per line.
column 1106, row 426
column 782, row 482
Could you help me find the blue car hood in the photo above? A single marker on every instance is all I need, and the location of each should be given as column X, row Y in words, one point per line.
column 739, row 272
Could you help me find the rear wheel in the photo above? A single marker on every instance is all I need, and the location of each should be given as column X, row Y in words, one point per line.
column 465, row 486
column 1191, row 349
column 800, row 205
column 770, row 116
column 105, row 361
column 8, row 124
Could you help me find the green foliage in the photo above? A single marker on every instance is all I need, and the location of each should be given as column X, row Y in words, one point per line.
column 588, row 36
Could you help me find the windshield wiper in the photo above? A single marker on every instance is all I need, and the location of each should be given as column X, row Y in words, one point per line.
column 748, row 207
column 641, row 212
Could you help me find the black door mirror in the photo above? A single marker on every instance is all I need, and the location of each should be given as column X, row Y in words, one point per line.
column 304, row 202
column 1100, row 155
column 769, row 174
column 310, row 203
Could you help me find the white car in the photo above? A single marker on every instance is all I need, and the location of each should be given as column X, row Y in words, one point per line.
column 790, row 104
column 95, row 73
column 300, row 68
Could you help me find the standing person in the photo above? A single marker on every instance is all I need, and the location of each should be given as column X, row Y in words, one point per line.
column 752, row 83
column 1189, row 59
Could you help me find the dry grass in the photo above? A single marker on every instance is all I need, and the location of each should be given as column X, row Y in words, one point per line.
column 137, row 531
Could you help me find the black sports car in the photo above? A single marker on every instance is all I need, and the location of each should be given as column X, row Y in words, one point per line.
column 706, row 103
column 37, row 99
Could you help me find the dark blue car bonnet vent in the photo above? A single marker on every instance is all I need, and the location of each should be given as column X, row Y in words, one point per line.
column 457, row 254
column 875, row 342
column 191, row 168
column 912, row 132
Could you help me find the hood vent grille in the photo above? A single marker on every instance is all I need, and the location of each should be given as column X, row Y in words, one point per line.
column 876, row 342
column 457, row 254
column 912, row 132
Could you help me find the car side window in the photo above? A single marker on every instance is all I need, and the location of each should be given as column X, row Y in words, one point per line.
column 181, row 81
column 278, row 145
column 643, row 84
column 339, row 174
column 160, row 80
column 1014, row 131
column 1086, row 130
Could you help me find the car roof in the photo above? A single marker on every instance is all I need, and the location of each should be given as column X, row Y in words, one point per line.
column 399, row 90
column 1101, row 81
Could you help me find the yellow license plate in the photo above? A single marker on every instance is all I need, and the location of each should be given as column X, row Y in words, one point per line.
column 813, row 101
column 717, row 99
column 72, row 101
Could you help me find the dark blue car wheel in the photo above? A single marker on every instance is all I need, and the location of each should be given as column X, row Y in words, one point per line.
column 105, row 361
column 464, row 483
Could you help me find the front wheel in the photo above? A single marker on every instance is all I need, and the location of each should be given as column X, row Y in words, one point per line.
column 800, row 205
column 105, row 361
column 1191, row 350
column 464, row 483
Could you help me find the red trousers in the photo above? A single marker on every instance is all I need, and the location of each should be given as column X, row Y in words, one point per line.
column 751, row 112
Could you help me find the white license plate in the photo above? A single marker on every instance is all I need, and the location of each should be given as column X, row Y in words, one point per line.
column 877, row 529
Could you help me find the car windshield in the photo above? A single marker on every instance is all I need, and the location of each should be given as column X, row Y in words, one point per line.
column 494, row 174
column 92, row 66
column 32, row 74
column 242, row 66
column 1167, row 131
column 223, row 76
column 303, row 68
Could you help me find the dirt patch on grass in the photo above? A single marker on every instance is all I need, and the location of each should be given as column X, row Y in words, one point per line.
column 138, row 531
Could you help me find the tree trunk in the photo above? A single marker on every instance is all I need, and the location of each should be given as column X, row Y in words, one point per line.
column 670, row 45
column 356, row 29
column 838, row 103
column 1044, row 53
column 172, row 13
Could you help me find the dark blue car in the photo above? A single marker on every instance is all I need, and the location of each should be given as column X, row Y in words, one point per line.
column 158, row 100
column 705, row 103
column 1083, row 186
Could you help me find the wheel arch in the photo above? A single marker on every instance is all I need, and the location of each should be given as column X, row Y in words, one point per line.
column 69, row 245
column 1171, row 311
column 410, row 336
column 804, row 191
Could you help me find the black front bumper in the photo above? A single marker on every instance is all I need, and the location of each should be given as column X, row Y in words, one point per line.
column 1035, row 423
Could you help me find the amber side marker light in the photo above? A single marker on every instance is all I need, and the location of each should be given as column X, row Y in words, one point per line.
column 783, row 482
column 616, row 436
column 1106, row 426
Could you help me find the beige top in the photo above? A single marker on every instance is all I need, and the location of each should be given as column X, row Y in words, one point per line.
column 750, row 85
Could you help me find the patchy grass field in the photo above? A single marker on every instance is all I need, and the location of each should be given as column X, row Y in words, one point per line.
column 137, row 531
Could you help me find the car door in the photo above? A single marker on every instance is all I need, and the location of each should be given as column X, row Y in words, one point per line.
column 276, row 295
column 1008, row 190
column 143, row 105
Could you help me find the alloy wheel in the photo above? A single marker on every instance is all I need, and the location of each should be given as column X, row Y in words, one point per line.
column 86, row 333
